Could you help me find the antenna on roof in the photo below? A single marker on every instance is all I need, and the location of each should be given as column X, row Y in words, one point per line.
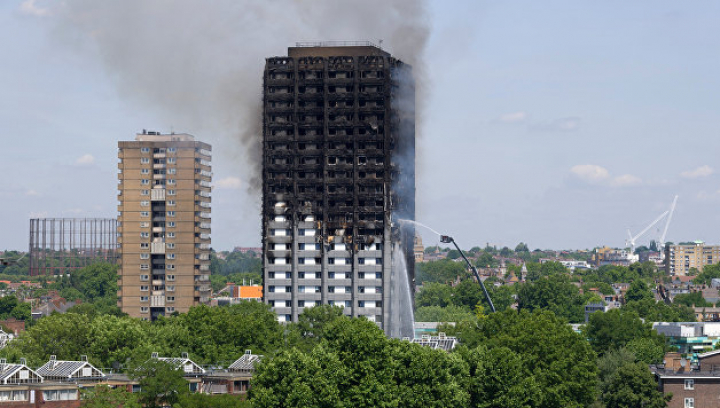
column 53, row 357
column 184, row 355
column 23, row 361
column 380, row 41
column 154, row 355
column 83, row 358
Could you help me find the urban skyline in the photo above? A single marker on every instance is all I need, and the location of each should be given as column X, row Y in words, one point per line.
column 574, row 137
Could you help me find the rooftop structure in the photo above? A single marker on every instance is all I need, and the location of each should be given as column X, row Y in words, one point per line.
column 63, row 370
column 188, row 366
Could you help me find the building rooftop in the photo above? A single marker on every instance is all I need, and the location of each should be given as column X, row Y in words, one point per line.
column 335, row 49
column 152, row 136
column 59, row 369
column 246, row 362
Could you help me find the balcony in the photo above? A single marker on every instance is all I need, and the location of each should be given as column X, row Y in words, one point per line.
column 157, row 301
column 157, row 248
column 157, row 194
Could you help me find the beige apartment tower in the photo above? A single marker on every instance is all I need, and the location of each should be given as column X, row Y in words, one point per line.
column 679, row 259
column 163, row 224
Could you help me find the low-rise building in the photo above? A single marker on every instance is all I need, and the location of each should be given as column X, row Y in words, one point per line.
column 693, row 385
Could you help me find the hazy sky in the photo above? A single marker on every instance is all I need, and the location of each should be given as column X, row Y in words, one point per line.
column 557, row 123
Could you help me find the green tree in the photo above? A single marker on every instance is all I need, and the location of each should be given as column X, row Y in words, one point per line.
column 161, row 383
column 522, row 247
column 499, row 378
column 434, row 294
column 633, row 385
column 653, row 311
column 646, row 350
column 561, row 361
column 616, row 328
column 200, row 400
column 102, row 396
column 311, row 324
column 708, row 273
column 441, row 271
column 638, row 290
column 692, row 299
column 443, row 314
column 555, row 293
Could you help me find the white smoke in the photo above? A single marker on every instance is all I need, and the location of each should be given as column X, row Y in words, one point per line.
column 198, row 64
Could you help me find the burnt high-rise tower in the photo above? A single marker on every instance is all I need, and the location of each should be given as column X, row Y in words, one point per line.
column 338, row 171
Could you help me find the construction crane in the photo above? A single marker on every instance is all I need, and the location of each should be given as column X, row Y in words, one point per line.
column 667, row 224
column 632, row 239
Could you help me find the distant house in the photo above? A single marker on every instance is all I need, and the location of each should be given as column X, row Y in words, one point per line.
column 234, row 380
column 691, row 385
column 76, row 371
column 189, row 367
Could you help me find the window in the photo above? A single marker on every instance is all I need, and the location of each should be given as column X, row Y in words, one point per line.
column 144, row 160
column 60, row 395
column 171, row 192
column 171, row 266
column 171, row 223
column 171, row 202
column 145, row 203
column 144, row 213
column 171, row 170
column 144, row 224
column 145, row 182
column 171, row 277
column 171, row 182
column 689, row 384
column 689, row 402
column 170, row 256
column 172, row 149
column 144, row 171
column 170, row 288
column 171, row 245
column 171, row 298
column 144, row 235
column 144, row 245
column 144, row 309
column 171, row 234
column 144, row 267
column 171, row 160
column 144, row 150
column 144, row 298
column 144, row 256
column 144, row 192
column 144, row 277
column 169, row 309
column 171, row 213
column 144, row 288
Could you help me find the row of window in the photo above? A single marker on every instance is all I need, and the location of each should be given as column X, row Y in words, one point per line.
column 170, row 182
column 331, row 275
column 146, row 203
column 331, row 261
column 145, row 309
column 167, row 256
column 146, row 278
column 147, row 298
column 331, row 289
column 158, row 150
column 171, row 170
column 169, row 192
column 145, row 288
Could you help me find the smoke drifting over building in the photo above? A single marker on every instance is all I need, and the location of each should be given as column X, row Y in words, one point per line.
column 197, row 63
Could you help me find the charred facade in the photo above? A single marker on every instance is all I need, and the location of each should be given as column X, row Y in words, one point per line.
column 338, row 168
